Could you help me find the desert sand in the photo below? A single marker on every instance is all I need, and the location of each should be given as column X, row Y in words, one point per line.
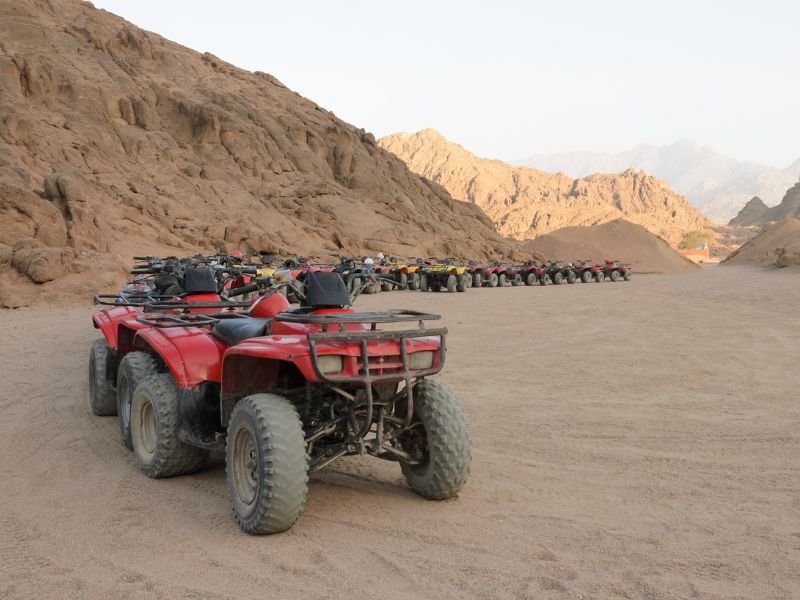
column 630, row 440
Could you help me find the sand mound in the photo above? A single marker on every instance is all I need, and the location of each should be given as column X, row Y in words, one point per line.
column 115, row 140
column 778, row 245
column 616, row 240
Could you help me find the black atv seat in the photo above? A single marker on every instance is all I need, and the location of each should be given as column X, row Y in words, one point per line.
column 200, row 280
column 325, row 289
column 234, row 331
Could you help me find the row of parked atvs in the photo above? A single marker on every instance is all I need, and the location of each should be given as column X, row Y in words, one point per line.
column 372, row 275
column 272, row 366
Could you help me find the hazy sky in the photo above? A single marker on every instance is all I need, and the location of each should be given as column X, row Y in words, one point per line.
column 508, row 79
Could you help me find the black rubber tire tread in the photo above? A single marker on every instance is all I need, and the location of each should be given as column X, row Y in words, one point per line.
column 627, row 275
column 452, row 282
column 447, row 470
column 461, row 283
column 403, row 281
column 599, row 277
column 530, row 279
column 517, row 280
column 102, row 396
column 386, row 287
column 501, row 280
column 571, row 277
column 477, row 280
column 615, row 275
column 493, row 280
column 171, row 456
column 423, row 283
column 133, row 368
column 586, row 277
column 283, row 467
column 558, row 278
column 467, row 280
column 414, row 281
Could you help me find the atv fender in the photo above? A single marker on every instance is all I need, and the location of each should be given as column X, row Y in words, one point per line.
column 190, row 354
column 107, row 321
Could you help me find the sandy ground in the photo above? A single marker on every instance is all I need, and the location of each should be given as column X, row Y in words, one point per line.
column 633, row 440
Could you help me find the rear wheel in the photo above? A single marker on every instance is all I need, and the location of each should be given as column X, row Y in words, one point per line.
column 517, row 280
column 467, row 280
column 615, row 275
column 423, row 282
column 493, row 280
column 461, row 283
column 599, row 277
column 414, row 281
column 477, row 280
column 452, row 283
column 627, row 275
column 353, row 284
column 133, row 368
column 571, row 277
column 544, row 279
column 102, row 396
column 530, row 279
column 586, row 276
column 377, row 287
column 440, row 435
column 265, row 464
column 558, row 278
column 501, row 280
column 403, row 281
column 386, row 286
column 154, row 430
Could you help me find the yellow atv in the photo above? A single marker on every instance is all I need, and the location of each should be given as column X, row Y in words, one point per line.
column 446, row 274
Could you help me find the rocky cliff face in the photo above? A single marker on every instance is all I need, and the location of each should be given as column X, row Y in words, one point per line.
column 777, row 245
column 756, row 213
column 114, row 140
column 526, row 203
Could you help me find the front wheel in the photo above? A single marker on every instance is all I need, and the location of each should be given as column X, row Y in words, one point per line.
column 599, row 277
column 558, row 278
column 530, row 279
column 102, row 396
column 493, row 280
column 265, row 464
column 133, row 368
column 403, row 281
column 477, row 280
column 614, row 276
column 440, row 436
column 452, row 282
column 154, row 430
column 627, row 275
column 586, row 276
column 423, row 283
column 501, row 280
column 461, row 283
column 414, row 281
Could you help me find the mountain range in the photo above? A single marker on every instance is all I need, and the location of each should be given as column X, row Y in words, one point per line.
column 525, row 203
column 716, row 184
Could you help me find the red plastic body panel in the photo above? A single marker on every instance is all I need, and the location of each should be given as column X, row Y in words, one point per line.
column 191, row 353
column 108, row 319
column 266, row 307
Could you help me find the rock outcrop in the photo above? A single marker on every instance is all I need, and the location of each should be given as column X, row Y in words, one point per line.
column 756, row 213
column 526, row 203
column 114, row 140
column 778, row 245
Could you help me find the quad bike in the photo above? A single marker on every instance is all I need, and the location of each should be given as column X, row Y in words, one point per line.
column 558, row 273
column 284, row 392
column 361, row 276
column 588, row 271
column 405, row 275
column 531, row 273
column 615, row 270
column 507, row 275
column 482, row 276
column 437, row 275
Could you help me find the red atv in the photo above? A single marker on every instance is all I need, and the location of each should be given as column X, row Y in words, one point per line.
column 588, row 271
column 285, row 392
column 615, row 270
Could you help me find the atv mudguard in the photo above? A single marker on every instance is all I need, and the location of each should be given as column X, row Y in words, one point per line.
column 108, row 320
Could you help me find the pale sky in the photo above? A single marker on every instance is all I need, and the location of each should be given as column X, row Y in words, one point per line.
column 507, row 79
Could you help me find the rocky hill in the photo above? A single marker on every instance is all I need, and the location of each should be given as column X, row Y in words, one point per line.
column 716, row 184
column 615, row 240
column 115, row 141
column 526, row 203
column 778, row 245
column 756, row 213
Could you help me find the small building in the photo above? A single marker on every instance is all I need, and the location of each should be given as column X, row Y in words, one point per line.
column 701, row 254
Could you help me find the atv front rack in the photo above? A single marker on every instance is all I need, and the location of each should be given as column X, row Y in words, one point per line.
column 365, row 376
column 129, row 299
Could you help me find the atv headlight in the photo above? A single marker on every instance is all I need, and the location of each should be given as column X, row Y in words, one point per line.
column 329, row 363
column 421, row 360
